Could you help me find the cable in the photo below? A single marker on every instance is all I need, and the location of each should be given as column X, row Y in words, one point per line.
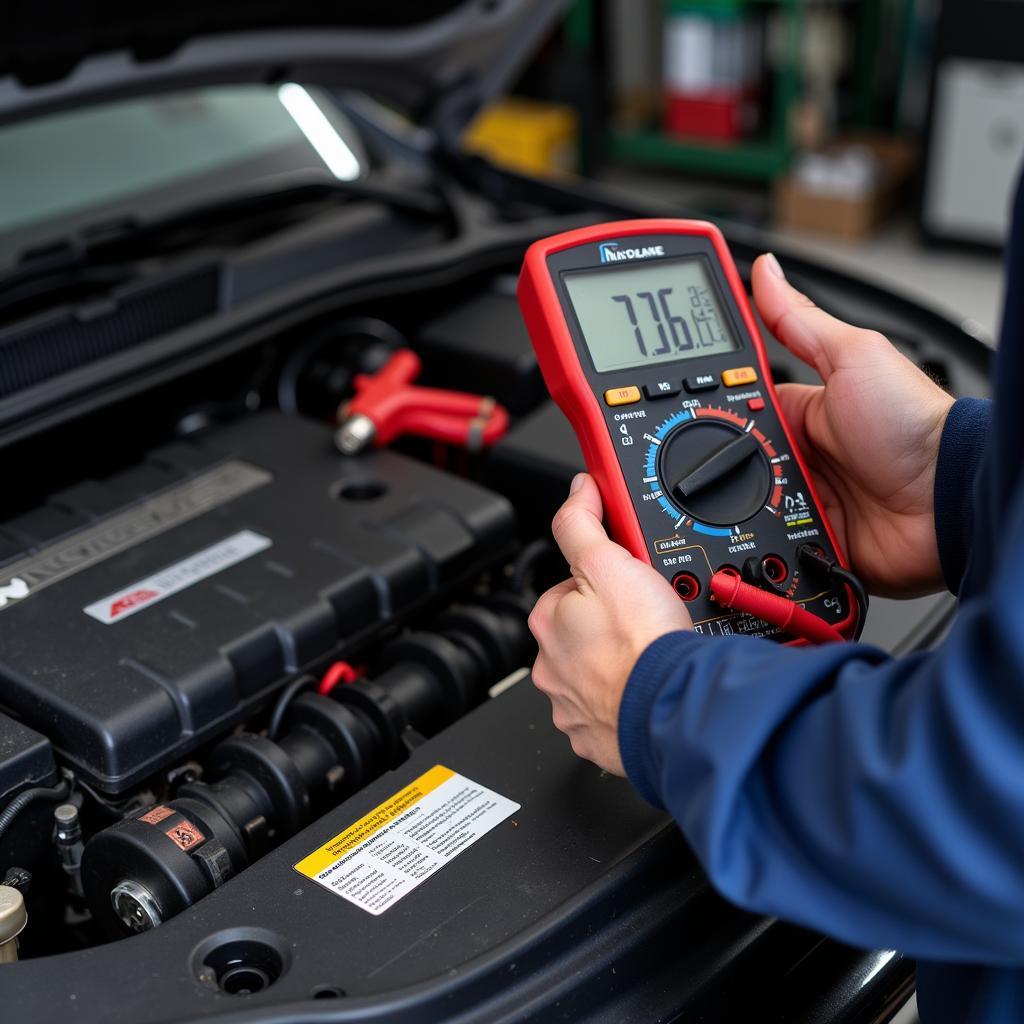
column 526, row 564
column 341, row 672
column 860, row 595
column 812, row 558
column 291, row 691
column 29, row 796
column 114, row 809
column 730, row 590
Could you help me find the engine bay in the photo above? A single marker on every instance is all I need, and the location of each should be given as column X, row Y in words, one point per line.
column 226, row 642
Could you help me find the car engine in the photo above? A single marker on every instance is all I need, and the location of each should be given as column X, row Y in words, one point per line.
column 190, row 604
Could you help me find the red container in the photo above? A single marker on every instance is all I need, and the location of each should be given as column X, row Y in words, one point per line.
column 726, row 115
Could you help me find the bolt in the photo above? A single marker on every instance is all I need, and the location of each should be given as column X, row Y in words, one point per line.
column 68, row 826
column 355, row 435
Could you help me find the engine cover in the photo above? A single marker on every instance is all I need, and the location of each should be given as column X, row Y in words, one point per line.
column 146, row 614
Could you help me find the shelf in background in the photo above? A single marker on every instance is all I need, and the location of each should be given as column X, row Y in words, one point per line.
column 758, row 160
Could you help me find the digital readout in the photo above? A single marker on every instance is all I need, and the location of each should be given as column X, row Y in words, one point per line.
column 649, row 313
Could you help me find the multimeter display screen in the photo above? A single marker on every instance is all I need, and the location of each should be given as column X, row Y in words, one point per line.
column 649, row 313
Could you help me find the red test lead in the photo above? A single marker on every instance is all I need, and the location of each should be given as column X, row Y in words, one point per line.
column 731, row 592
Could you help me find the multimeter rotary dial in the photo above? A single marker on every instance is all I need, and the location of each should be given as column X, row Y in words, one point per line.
column 713, row 467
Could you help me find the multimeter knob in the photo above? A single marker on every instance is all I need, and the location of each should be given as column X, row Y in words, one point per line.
column 715, row 472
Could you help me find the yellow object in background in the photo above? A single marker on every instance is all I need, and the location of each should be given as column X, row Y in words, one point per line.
column 527, row 135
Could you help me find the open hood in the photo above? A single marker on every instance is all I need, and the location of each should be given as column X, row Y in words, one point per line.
column 438, row 60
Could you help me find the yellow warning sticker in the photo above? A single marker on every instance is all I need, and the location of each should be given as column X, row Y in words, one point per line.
column 388, row 852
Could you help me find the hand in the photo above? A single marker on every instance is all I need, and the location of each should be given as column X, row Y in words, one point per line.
column 592, row 628
column 870, row 436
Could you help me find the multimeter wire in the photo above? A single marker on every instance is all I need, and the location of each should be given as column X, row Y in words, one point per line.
column 812, row 558
column 860, row 595
column 731, row 592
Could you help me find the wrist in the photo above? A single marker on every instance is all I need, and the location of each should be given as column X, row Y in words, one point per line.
column 650, row 673
column 963, row 440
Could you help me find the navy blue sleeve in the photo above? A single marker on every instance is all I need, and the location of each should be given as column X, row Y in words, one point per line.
column 877, row 800
column 964, row 438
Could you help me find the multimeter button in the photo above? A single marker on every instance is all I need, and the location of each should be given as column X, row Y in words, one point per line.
column 702, row 382
column 622, row 396
column 755, row 404
column 741, row 375
column 663, row 389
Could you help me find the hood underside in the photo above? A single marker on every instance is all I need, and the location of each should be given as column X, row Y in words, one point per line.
column 438, row 60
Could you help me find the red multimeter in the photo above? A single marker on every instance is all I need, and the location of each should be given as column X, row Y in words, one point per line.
column 647, row 343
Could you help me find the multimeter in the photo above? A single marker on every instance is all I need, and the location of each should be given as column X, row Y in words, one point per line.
column 647, row 342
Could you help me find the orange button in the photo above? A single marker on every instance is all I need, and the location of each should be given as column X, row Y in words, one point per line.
column 622, row 396
column 741, row 375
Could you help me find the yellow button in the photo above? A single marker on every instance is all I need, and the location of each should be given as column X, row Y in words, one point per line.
column 741, row 375
column 622, row 396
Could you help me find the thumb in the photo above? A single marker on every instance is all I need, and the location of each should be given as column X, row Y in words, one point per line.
column 577, row 526
column 812, row 335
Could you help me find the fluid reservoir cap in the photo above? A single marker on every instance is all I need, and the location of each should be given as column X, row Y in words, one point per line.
column 13, row 916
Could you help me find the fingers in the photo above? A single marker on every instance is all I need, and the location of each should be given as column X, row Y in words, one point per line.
column 794, row 400
column 544, row 610
column 577, row 526
column 811, row 334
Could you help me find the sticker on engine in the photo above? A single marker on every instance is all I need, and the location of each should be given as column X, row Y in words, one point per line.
column 156, row 815
column 185, row 835
column 401, row 843
column 200, row 566
column 123, row 530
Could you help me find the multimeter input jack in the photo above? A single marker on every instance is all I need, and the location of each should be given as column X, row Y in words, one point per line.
column 775, row 568
column 686, row 585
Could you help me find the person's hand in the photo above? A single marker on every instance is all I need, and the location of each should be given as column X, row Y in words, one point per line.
column 870, row 436
column 592, row 628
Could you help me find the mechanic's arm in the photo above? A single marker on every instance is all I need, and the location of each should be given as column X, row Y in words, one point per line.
column 876, row 800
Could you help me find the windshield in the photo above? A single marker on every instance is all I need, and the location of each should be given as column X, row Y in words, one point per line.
column 149, row 156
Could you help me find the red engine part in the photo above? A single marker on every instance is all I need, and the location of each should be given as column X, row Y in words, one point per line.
column 388, row 405
column 340, row 673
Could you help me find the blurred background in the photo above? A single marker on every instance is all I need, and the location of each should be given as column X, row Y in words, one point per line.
column 880, row 136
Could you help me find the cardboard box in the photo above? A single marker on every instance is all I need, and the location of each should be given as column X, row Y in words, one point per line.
column 800, row 207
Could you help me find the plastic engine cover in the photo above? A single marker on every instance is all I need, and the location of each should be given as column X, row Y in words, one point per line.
column 143, row 615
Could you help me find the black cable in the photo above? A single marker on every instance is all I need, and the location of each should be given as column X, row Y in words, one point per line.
column 291, row 691
column 28, row 796
column 526, row 563
column 113, row 808
column 811, row 557
column 859, row 593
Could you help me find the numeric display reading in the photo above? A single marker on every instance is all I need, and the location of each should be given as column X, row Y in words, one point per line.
column 649, row 313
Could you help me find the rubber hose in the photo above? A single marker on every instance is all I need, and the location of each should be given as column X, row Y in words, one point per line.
column 29, row 796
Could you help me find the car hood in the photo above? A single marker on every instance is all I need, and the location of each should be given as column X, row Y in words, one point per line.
column 437, row 60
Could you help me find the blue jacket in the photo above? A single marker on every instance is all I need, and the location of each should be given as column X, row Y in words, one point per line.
column 878, row 800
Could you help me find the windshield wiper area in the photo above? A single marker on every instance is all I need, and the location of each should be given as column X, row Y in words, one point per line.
column 89, row 264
